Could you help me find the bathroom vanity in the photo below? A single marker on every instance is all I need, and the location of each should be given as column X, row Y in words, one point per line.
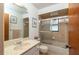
column 27, row 47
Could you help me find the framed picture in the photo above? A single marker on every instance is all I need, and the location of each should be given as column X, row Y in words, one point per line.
column 34, row 22
column 13, row 19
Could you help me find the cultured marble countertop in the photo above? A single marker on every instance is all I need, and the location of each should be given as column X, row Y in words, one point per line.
column 16, row 49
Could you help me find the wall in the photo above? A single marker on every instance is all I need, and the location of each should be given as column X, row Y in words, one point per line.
column 51, row 8
column 1, row 28
column 32, row 13
column 10, row 9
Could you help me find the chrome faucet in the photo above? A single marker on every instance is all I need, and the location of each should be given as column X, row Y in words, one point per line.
column 19, row 42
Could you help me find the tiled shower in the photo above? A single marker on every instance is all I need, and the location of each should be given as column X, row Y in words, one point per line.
column 56, row 41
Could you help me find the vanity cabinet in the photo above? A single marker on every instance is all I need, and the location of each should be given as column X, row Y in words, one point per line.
column 33, row 51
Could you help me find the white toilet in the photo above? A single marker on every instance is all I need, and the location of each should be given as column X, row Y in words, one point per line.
column 43, row 49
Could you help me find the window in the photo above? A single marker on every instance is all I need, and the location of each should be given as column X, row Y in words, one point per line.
column 54, row 25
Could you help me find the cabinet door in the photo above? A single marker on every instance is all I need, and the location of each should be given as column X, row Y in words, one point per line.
column 33, row 51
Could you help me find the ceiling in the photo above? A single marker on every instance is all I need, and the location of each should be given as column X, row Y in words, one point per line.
column 19, row 8
column 38, row 5
column 42, row 5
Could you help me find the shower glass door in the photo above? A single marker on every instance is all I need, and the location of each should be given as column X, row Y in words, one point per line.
column 54, row 32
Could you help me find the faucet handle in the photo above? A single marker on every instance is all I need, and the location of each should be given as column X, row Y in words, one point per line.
column 18, row 42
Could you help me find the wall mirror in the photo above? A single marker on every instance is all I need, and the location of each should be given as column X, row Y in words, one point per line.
column 16, row 23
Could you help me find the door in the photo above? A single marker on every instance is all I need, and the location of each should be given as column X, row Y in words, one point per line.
column 74, row 28
column 6, row 26
column 26, row 27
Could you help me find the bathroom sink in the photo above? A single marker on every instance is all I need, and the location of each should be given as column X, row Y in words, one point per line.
column 14, row 49
column 18, row 48
column 21, row 46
